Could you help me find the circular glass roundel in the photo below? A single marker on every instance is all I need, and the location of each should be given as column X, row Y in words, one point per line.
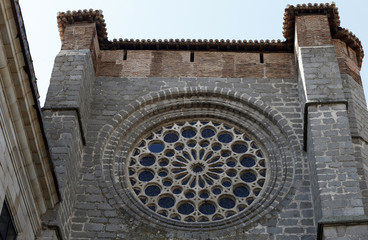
column 197, row 171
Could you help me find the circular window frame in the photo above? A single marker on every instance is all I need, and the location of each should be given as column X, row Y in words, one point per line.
column 239, row 135
column 117, row 138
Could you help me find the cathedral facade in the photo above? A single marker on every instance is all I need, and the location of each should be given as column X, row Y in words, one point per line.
column 205, row 139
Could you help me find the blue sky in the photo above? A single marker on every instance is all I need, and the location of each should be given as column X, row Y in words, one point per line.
column 165, row 19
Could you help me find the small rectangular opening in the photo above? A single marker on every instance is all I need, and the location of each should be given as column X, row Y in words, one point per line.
column 261, row 60
column 192, row 56
column 125, row 55
column 347, row 50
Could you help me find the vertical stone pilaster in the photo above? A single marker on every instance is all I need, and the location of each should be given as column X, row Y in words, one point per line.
column 336, row 193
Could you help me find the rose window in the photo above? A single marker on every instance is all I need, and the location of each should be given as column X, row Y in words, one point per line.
column 197, row 171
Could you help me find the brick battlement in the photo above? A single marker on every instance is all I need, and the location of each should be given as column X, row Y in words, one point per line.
column 265, row 58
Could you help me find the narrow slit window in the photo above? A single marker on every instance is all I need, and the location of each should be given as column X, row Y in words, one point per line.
column 261, row 60
column 125, row 55
column 192, row 56
column 347, row 50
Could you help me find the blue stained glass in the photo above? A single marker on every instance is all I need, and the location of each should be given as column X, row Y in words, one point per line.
column 194, row 154
column 177, row 191
column 231, row 163
column 229, row 214
column 225, row 154
column 204, row 195
column 248, row 162
column 171, row 137
column 163, row 213
column 188, row 133
column 231, row 173
column 179, row 147
column 156, row 147
column 186, row 156
column 209, row 181
column 193, row 183
column 248, row 177
column 207, row 133
column 263, row 173
column 208, row 156
column 162, row 173
column 178, row 170
column 261, row 182
column 217, row 191
column 169, row 154
column 132, row 181
column 167, row 183
column 185, row 181
column 166, row 202
column 197, row 168
column 239, row 148
column 226, row 183
column 191, row 144
column 147, row 160
column 204, row 144
column 227, row 203
column 212, row 175
column 216, row 147
column 241, row 191
column 225, row 138
column 185, row 208
column 214, row 159
column 262, row 163
column 176, row 217
column 203, row 219
column 180, row 176
column 256, row 191
column 241, row 208
column 207, row 208
column 217, row 217
column 216, row 170
column 259, row 154
column 163, row 162
column 152, row 207
column 189, row 195
column 181, row 159
column 146, row 176
column 189, row 219
column 250, row 200
column 152, row 191
column 201, row 153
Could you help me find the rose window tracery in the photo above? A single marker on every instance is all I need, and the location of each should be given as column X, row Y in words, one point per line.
column 197, row 171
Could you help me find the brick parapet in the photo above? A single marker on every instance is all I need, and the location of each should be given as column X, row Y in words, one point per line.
column 152, row 63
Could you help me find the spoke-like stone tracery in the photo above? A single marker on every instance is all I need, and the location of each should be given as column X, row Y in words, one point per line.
column 197, row 171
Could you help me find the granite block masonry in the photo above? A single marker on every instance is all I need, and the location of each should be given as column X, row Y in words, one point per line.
column 209, row 139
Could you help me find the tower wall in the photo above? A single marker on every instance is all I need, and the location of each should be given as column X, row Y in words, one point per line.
column 298, row 114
